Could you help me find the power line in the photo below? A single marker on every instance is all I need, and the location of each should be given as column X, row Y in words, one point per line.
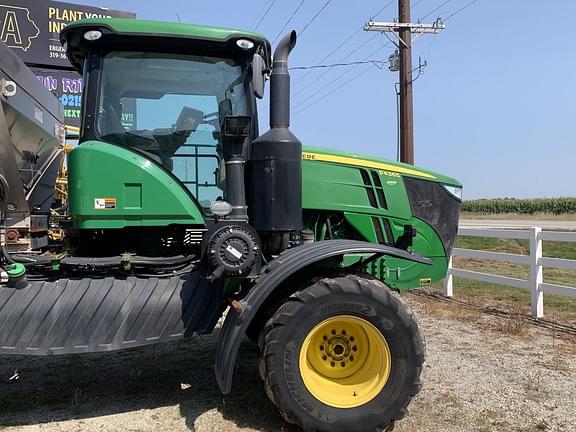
column 386, row 6
column 318, row 78
column 416, row 3
column 288, row 21
column 333, row 91
column 460, row 10
column 404, row 28
column 265, row 14
column 346, row 40
column 315, row 16
column 378, row 63
column 311, row 96
column 259, row 13
column 434, row 10
column 354, row 33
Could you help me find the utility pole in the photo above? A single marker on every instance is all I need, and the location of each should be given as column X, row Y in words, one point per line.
column 404, row 29
column 406, row 102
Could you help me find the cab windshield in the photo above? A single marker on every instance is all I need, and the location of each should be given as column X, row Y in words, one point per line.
column 171, row 108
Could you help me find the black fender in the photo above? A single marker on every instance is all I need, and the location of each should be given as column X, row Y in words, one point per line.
column 277, row 271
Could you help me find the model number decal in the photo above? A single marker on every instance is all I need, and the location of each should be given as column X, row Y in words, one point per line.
column 389, row 173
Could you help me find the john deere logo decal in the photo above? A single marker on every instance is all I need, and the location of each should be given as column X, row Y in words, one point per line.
column 18, row 29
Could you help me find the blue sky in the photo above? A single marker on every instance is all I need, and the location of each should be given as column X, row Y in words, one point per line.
column 494, row 107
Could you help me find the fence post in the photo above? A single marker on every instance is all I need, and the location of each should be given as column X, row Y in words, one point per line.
column 536, row 276
column 448, row 280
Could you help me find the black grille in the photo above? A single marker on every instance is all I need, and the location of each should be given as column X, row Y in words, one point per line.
column 379, row 190
column 388, row 230
column 430, row 202
column 378, row 230
column 386, row 236
column 374, row 188
column 369, row 189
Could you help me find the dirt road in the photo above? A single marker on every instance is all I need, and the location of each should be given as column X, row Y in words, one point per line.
column 483, row 374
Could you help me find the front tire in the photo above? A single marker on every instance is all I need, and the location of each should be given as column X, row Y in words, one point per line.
column 344, row 354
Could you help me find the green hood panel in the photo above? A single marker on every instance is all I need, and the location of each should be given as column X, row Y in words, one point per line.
column 372, row 195
column 342, row 187
column 113, row 187
column 359, row 160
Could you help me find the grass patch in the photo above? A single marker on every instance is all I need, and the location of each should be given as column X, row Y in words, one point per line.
column 520, row 247
column 519, row 216
column 554, row 249
column 513, row 299
column 551, row 249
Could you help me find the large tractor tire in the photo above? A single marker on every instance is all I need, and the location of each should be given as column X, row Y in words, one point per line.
column 344, row 354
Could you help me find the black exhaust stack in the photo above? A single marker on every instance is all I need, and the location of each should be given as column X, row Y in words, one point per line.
column 280, row 83
column 276, row 162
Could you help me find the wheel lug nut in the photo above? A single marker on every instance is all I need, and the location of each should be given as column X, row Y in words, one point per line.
column 354, row 348
column 324, row 337
column 324, row 357
column 344, row 332
column 351, row 338
column 351, row 358
column 333, row 332
column 321, row 347
column 343, row 364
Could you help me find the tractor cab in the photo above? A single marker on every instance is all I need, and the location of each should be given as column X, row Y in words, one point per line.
column 159, row 101
column 179, row 125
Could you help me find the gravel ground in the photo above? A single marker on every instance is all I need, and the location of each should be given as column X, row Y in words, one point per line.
column 482, row 374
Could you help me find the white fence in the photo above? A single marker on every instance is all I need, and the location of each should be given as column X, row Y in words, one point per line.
column 535, row 260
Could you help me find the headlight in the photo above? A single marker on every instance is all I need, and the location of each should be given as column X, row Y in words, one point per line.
column 92, row 35
column 245, row 44
column 221, row 208
column 455, row 191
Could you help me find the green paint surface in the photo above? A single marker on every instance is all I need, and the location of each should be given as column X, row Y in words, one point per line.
column 134, row 27
column 339, row 188
column 138, row 192
column 440, row 178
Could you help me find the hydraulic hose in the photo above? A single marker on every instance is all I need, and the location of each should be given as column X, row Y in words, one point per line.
column 3, row 194
column 7, row 256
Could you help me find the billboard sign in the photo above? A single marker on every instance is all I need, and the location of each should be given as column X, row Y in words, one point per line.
column 32, row 27
column 67, row 87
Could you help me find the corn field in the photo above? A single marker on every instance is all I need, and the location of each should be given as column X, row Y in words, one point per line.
column 523, row 206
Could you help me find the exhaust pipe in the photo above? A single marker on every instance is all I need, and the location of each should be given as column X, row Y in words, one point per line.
column 280, row 83
column 276, row 162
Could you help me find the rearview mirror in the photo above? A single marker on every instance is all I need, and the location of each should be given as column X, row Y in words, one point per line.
column 258, row 75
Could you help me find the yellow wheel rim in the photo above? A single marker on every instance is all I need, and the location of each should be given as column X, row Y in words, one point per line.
column 345, row 361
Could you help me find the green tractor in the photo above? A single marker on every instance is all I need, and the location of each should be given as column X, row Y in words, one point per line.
column 182, row 213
